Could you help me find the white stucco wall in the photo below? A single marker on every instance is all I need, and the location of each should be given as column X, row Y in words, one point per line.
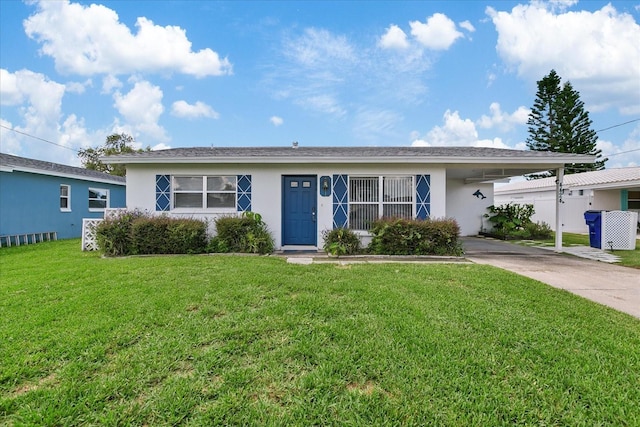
column 266, row 192
column 467, row 209
column 573, row 207
column 607, row 200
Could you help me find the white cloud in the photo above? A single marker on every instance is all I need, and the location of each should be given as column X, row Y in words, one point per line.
column 502, row 120
column 39, row 106
column 313, row 68
column 142, row 107
column 374, row 125
column 10, row 92
column 317, row 69
column 438, row 33
column 109, row 83
column 43, row 96
column 326, row 103
column 467, row 26
column 597, row 51
column 318, row 47
column 456, row 132
column 77, row 87
column 193, row 111
column 276, row 121
column 622, row 155
column 394, row 38
column 90, row 40
column 161, row 146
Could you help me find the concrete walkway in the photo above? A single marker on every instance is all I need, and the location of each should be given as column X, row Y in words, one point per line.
column 611, row 285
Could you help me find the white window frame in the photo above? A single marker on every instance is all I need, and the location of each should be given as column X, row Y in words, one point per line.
column 67, row 198
column 101, row 190
column 204, row 192
column 380, row 202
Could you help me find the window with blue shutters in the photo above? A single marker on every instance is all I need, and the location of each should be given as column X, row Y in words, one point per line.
column 209, row 192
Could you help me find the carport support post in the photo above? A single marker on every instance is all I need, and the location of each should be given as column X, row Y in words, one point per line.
column 559, row 179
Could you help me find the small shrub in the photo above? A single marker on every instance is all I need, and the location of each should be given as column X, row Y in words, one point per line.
column 341, row 241
column 164, row 235
column 514, row 221
column 246, row 234
column 397, row 236
column 187, row 236
column 540, row 230
column 114, row 233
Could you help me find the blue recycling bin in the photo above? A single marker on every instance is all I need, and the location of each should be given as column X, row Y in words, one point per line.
column 594, row 221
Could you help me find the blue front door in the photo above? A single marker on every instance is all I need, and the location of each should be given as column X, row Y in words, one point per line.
column 299, row 210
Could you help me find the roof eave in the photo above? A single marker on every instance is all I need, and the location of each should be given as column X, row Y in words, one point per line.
column 552, row 162
column 62, row 175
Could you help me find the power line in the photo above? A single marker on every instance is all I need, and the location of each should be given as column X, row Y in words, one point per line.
column 618, row 125
column 37, row 137
column 622, row 152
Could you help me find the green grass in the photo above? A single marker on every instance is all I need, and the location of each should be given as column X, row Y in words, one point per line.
column 627, row 258
column 244, row 340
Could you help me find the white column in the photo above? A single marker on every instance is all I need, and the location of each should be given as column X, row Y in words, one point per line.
column 559, row 179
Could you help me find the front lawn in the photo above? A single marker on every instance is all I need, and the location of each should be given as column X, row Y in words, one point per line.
column 248, row 340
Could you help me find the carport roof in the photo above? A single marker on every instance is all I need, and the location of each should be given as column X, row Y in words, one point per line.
column 615, row 178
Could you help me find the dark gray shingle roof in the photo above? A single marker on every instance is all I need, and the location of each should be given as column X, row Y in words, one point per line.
column 49, row 168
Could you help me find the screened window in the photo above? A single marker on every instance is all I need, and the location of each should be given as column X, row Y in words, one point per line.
column 65, row 197
column 98, row 199
column 204, row 192
column 371, row 198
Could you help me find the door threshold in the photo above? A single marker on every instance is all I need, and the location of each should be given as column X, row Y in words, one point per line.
column 299, row 249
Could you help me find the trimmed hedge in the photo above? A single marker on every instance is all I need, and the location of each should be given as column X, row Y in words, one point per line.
column 137, row 233
column 396, row 236
column 244, row 234
column 114, row 233
column 163, row 235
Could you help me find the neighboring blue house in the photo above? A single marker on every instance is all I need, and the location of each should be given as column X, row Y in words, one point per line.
column 42, row 197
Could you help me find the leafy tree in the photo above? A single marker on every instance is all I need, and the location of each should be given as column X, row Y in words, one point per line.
column 558, row 122
column 117, row 143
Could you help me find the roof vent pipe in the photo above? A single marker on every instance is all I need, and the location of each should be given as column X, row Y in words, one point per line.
column 294, row 144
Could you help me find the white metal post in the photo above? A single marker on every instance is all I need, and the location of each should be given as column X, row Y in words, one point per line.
column 559, row 179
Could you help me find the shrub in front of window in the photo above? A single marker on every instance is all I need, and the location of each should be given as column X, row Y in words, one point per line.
column 164, row 235
column 114, row 233
column 341, row 241
column 244, row 234
column 398, row 236
column 135, row 232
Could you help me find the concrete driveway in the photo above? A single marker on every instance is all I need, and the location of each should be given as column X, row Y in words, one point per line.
column 611, row 285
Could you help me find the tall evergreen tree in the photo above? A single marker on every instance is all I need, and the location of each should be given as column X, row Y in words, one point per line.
column 558, row 122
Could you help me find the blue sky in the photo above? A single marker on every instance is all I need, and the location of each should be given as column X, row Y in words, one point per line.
column 324, row 73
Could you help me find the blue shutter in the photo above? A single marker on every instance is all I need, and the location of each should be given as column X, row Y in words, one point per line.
column 340, row 201
column 423, row 196
column 243, row 194
column 163, row 192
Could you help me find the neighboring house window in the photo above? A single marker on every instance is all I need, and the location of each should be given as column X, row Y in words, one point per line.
column 65, row 197
column 98, row 199
column 204, row 192
column 374, row 197
column 634, row 200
